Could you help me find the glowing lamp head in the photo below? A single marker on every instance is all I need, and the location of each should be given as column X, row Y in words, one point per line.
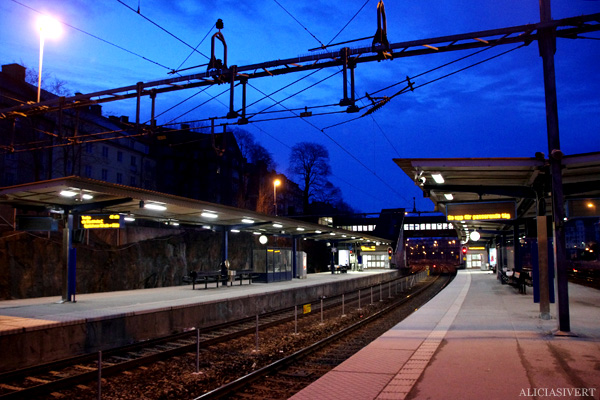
column 49, row 27
column 276, row 182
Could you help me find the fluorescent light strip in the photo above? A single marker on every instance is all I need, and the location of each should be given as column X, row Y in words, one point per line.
column 68, row 193
column 438, row 178
column 154, row 206
column 209, row 214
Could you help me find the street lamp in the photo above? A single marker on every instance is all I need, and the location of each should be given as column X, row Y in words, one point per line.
column 51, row 28
column 276, row 183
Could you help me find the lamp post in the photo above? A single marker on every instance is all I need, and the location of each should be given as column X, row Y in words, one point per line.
column 48, row 27
column 276, row 183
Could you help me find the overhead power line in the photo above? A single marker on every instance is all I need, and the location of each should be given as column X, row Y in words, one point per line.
column 164, row 30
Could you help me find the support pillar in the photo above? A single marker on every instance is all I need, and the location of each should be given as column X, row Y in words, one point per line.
column 547, row 45
column 544, row 284
column 225, row 244
column 294, row 258
column 517, row 248
column 139, row 87
column 68, row 261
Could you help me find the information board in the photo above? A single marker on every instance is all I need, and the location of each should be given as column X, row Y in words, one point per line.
column 485, row 211
column 100, row 221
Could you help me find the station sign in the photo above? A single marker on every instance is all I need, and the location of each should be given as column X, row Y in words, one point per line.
column 100, row 221
column 367, row 248
column 485, row 211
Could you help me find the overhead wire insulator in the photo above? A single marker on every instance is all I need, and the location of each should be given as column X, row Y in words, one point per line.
column 216, row 64
column 380, row 41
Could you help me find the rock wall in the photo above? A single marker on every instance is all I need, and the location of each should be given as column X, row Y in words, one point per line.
column 31, row 264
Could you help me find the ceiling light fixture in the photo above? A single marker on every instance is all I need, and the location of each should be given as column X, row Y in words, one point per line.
column 438, row 178
column 155, row 206
column 68, row 193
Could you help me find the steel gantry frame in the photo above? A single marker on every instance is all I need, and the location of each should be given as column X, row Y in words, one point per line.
column 347, row 58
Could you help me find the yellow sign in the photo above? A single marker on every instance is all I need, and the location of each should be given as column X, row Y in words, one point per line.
column 367, row 248
column 484, row 211
column 100, row 221
column 476, row 248
column 306, row 309
column 479, row 217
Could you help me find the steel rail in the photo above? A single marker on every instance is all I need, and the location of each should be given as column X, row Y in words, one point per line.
column 219, row 334
column 239, row 383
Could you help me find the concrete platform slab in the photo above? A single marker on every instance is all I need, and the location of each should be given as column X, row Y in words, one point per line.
column 488, row 342
column 42, row 329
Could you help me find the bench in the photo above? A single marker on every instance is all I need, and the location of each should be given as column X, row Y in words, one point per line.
column 341, row 269
column 204, row 276
column 517, row 279
column 240, row 274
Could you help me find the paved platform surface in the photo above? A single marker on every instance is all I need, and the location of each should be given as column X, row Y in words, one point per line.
column 47, row 311
column 477, row 339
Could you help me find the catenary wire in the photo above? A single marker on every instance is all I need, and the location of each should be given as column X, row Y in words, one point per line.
column 299, row 23
column 164, row 30
column 348, row 23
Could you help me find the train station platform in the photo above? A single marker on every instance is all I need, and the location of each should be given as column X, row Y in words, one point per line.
column 477, row 339
column 41, row 330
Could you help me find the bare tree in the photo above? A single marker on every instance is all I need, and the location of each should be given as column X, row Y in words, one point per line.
column 49, row 83
column 252, row 151
column 245, row 142
column 310, row 162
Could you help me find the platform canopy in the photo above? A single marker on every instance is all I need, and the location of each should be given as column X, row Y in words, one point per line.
column 478, row 193
column 83, row 195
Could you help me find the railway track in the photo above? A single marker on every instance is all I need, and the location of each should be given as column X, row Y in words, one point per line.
column 287, row 376
column 44, row 380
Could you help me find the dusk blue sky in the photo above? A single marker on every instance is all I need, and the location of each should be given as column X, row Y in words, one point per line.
column 495, row 109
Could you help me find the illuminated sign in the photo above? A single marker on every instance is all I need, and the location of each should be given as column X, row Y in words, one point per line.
column 481, row 211
column 100, row 221
column 476, row 248
column 367, row 248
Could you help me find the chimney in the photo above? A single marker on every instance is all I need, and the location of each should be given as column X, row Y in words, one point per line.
column 14, row 71
column 124, row 119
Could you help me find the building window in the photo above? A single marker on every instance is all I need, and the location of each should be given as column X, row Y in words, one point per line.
column 133, row 161
column 89, row 148
column 119, row 156
column 104, row 174
column 104, row 152
column 119, row 177
column 88, row 171
column 132, row 181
